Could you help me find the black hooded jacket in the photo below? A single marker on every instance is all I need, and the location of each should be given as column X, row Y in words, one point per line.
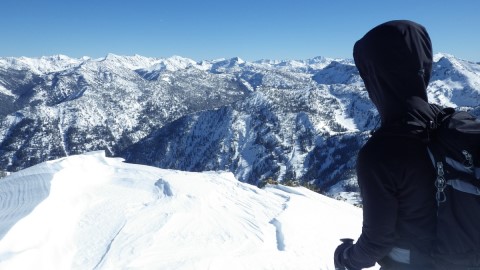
column 394, row 171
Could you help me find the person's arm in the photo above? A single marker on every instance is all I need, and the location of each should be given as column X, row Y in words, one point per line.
column 377, row 187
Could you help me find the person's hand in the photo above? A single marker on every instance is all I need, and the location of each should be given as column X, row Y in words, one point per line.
column 339, row 256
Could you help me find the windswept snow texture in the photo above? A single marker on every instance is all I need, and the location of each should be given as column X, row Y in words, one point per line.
column 93, row 212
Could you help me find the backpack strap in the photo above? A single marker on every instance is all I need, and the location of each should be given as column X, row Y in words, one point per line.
column 442, row 115
column 440, row 182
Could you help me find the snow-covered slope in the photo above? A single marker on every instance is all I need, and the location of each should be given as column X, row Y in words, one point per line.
column 92, row 212
column 455, row 82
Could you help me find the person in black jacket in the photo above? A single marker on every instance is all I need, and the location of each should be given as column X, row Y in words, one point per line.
column 394, row 171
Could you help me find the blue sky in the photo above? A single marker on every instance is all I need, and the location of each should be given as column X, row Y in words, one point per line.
column 211, row 29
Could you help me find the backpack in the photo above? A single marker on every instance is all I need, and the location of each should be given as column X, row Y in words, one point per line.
column 454, row 147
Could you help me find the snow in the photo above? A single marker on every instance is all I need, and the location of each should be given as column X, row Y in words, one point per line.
column 4, row 90
column 93, row 212
column 40, row 65
column 345, row 120
column 173, row 63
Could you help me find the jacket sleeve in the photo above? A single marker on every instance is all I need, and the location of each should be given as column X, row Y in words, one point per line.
column 380, row 205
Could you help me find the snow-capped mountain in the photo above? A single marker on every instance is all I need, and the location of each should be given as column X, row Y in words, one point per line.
column 107, row 103
column 288, row 120
column 300, row 123
column 93, row 212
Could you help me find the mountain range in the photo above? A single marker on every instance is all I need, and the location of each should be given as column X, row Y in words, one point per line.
column 295, row 120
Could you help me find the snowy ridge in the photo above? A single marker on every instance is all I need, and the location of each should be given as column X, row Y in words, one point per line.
column 461, row 88
column 93, row 212
column 41, row 65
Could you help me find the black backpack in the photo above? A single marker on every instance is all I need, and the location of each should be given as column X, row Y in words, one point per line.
column 454, row 147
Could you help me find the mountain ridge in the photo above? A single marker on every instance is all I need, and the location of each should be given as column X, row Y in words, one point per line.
column 300, row 120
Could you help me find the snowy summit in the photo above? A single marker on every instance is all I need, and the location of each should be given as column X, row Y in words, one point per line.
column 92, row 212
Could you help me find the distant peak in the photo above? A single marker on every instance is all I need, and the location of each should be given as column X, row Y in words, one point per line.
column 438, row 56
column 177, row 57
column 111, row 56
column 318, row 59
column 56, row 57
column 238, row 60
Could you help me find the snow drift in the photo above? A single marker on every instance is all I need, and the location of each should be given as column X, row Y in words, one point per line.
column 93, row 212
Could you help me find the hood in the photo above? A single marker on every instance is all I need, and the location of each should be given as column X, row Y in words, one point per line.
column 394, row 60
